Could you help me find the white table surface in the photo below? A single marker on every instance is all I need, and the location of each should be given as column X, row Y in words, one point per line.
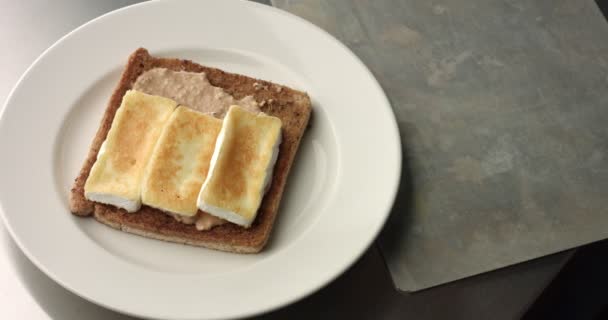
column 363, row 292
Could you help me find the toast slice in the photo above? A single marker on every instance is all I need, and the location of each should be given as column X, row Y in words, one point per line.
column 291, row 106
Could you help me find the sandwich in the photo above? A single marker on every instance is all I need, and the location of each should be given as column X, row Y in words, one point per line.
column 192, row 154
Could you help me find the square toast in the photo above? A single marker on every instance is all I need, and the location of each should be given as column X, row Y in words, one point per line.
column 291, row 106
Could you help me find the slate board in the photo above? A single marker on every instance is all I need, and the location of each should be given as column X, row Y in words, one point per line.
column 503, row 110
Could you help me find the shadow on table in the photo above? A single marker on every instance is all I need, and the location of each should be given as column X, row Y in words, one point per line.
column 400, row 218
column 57, row 302
column 363, row 292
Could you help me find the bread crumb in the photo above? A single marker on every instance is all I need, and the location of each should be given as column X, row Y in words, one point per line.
column 257, row 86
column 279, row 89
column 270, row 101
column 262, row 103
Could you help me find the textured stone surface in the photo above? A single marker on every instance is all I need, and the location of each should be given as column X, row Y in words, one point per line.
column 502, row 108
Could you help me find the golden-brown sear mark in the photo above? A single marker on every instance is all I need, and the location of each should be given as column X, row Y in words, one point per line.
column 179, row 165
column 130, row 140
column 238, row 177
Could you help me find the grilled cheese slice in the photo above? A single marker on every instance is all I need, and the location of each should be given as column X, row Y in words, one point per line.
column 179, row 163
column 117, row 174
column 241, row 166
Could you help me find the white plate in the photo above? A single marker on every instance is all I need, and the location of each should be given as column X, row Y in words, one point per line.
column 337, row 198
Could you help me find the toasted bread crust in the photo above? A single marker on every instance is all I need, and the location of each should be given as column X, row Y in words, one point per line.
column 291, row 106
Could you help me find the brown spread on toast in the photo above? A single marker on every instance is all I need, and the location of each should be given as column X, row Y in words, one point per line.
column 191, row 89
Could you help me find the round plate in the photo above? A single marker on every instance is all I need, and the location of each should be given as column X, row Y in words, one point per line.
column 338, row 195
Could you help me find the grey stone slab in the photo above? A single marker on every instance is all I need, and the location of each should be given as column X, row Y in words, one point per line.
column 502, row 111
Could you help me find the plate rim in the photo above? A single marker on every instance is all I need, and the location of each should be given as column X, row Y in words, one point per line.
column 394, row 185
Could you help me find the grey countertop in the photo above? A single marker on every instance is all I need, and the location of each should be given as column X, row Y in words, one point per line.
column 365, row 291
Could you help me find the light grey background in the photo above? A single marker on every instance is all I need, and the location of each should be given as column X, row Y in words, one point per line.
column 363, row 292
